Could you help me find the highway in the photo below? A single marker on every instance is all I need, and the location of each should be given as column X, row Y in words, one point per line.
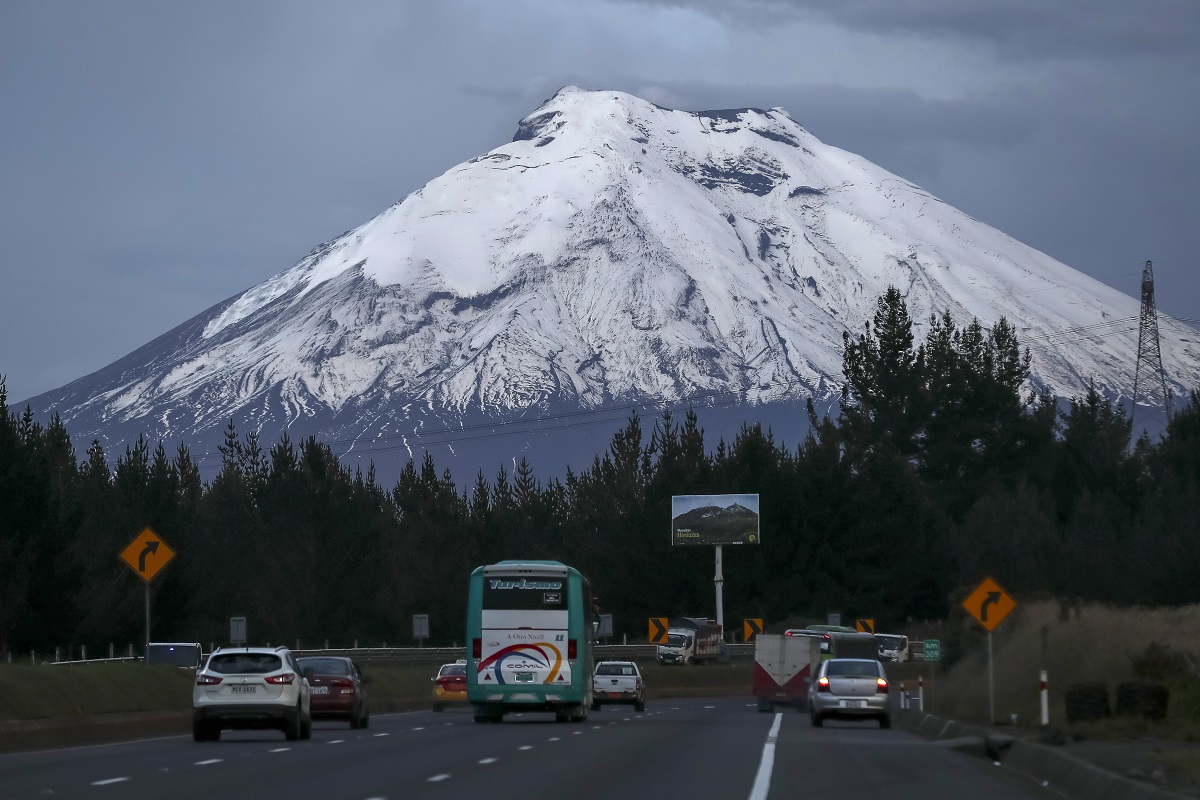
column 693, row 748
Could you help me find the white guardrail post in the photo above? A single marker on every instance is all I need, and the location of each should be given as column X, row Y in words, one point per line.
column 1045, row 693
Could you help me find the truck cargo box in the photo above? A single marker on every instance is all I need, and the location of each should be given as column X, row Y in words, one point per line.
column 783, row 668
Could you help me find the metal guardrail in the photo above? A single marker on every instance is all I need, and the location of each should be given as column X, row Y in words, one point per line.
column 441, row 655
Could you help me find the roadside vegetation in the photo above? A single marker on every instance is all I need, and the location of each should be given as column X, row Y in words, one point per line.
column 939, row 469
column 56, row 691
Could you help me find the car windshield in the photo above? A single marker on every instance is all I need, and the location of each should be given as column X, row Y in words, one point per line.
column 676, row 640
column 888, row 642
column 452, row 670
column 244, row 663
column 325, row 666
column 615, row 669
column 852, row 669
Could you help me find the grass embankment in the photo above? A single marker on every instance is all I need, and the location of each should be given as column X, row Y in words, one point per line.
column 1093, row 644
column 43, row 691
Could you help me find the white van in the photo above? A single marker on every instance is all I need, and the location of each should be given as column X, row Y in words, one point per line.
column 892, row 646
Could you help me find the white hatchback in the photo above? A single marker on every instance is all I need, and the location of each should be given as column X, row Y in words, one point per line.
column 251, row 688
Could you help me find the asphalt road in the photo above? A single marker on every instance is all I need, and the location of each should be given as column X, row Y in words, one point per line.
column 694, row 748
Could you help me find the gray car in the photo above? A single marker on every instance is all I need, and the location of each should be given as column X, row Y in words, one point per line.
column 850, row 688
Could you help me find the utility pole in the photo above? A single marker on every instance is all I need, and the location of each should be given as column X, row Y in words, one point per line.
column 1149, row 356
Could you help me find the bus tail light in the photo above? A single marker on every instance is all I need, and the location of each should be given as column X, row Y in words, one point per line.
column 477, row 649
column 572, row 649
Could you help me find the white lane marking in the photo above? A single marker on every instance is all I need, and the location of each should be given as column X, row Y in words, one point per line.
column 762, row 781
column 438, row 778
column 595, row 727
column 554, row 739
column 382, row 734
column 525, row 747
column 335, row 741
column 710, row 706
column 280, row 749
column 107, row 781
column 418, row 729
column 576, row 733
column 488, row 760
column 208, row 761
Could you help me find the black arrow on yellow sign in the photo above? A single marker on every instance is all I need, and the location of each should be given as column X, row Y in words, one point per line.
column 658, row 630
column 751, row 628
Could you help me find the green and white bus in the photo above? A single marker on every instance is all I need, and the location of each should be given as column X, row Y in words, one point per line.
column 529, row 640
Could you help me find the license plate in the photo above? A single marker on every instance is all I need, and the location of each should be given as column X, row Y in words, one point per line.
column 853, row 703
column 615, row 695
column 320, row 690
column 243, row 689
column 524, row 677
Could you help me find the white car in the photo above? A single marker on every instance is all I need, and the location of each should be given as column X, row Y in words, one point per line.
column 251, row 687
column 618, row 682
column 850, row 688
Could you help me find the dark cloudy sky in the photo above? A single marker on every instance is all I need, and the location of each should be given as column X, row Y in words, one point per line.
column 157, row 158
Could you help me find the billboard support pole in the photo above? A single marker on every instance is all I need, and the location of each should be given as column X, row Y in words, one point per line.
column 719, row 580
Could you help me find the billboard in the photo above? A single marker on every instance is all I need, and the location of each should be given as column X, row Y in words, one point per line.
column 711, row 519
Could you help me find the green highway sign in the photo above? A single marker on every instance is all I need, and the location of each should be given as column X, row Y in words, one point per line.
column 933, row 650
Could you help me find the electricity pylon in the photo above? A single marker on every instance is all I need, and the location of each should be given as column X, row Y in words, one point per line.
column 1149, row 354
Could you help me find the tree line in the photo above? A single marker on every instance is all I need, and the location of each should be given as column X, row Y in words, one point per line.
column 938, row 470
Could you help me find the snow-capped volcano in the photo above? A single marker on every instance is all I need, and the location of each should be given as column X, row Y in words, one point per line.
column 615, row 251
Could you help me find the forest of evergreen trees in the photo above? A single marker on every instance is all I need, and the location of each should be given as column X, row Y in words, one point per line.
column 937, row 472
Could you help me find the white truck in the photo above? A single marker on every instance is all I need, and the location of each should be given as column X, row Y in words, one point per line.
column 783, row 668
column 618, row 682
column 691, row 640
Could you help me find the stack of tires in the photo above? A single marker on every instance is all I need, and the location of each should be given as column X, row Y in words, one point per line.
column 1087, row 702
column 1144, row 699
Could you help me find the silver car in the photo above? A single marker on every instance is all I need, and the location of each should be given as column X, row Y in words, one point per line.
column 850, row 688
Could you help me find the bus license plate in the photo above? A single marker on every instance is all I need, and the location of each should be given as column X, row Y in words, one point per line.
column 524, row 677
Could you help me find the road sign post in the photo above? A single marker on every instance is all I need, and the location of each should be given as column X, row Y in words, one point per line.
column 989, row 605
column 146, row 555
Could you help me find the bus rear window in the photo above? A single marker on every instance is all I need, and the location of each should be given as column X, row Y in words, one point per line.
column 524, row 594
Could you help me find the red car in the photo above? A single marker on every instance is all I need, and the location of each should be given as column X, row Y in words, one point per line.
column 338, row 690
column 450, row 685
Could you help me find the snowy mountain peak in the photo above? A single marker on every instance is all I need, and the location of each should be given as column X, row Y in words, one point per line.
column 615, row 250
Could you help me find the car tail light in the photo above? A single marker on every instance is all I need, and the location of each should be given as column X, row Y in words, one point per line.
column 823, row 684
column 287, row 677
column 881, row 686
column 572, row 649
column 477, row 648
column 207, row 680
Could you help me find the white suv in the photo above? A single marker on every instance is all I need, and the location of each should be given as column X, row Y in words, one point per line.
column 251, row 687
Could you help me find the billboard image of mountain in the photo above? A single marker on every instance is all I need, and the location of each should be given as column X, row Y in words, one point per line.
column 712, row 519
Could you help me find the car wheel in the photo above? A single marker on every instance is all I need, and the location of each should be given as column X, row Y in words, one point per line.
column 199, row 732
column 639, row 706
column 291, row 725
column 306, row 728
column 885, row 721
column 366, row 720
column 816, row 720
column 355, row 720
column 595, row 705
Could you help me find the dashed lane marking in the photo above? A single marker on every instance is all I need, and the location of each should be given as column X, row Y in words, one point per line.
column 438, row 778
column 107, row 781
column 281, row 749
column 488, row 760
column 525, row 747
column 208, row 761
